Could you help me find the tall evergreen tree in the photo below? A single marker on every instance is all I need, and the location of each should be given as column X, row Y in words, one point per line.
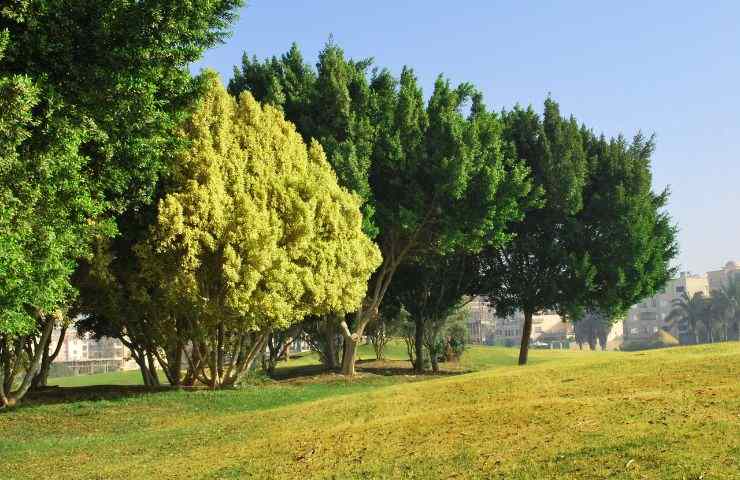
column 600, row 239
column 430, row 178
column 629, row 237
column 538, row 270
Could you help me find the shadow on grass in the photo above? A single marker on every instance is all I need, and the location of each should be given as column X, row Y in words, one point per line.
column 384, row 368
column 54, row 394
column 295, row 375
column 403, row 367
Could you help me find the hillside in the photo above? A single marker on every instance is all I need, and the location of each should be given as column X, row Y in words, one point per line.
column 671, row 413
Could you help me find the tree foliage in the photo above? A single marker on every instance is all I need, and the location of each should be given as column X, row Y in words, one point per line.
column 122, row 66
column 253, row 234
column 598, row 240
column 91, row 91
column 430, row 177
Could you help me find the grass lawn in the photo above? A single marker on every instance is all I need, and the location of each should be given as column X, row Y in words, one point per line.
column 662, row 414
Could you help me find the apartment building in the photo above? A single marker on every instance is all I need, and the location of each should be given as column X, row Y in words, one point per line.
column 84, row 354
column 645, row 319
column 719, row 278
column 547, row 326
column 481, row 322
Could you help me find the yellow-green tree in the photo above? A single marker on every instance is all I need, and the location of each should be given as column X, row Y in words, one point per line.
column 253, row 234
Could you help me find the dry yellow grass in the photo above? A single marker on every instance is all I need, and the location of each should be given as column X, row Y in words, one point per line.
column 660, row 414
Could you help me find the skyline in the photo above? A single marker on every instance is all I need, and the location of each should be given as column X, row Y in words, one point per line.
column 669, row 71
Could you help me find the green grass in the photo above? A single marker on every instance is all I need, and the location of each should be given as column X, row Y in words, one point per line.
column 130, row 377
column 661, row 414
column 395, row 350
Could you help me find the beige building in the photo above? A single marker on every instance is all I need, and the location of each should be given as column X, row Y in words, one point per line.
column 484, row 327
column 547, row 327
column 482, row 321
column 84, row 354
column 719, row 278
column 647, row 317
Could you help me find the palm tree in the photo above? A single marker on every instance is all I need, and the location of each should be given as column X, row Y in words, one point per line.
column 726, row 308
column 691, row 311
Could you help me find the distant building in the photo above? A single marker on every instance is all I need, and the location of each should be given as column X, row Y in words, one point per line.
column 720, row 278
column 84, row 354
column 646, row 318
column 547, row 326
column 481, row 322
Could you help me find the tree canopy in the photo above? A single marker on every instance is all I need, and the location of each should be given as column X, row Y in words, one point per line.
column 91, row 92
column 253, row 232
column 599, row 238
column 432, row 178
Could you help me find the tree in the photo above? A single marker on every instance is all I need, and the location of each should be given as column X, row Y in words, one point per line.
column 431, row 289
column 629, row 238
column 593, row 329
column 456, row 335
column 538, row 270
column 380, row 332
column 325, row 339
column 254, row 232
column 48, row 211
column 599, row 239
column 429, row 177
column 725, row 309
column 91, row 91
column 689, row 313
column 278, row 346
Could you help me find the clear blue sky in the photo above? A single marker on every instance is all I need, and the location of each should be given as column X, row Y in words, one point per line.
column 666, row 67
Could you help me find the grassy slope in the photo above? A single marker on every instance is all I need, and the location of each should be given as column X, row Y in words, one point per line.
column 660, row 414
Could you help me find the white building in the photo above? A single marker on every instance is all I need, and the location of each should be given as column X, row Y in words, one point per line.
column 482, row 321
column 647, row 317
column 547, row 326
column 88, row 355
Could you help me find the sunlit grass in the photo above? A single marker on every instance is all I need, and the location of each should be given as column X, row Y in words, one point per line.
column 659, row 415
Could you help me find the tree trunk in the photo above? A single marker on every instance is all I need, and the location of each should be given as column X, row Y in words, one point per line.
column 41, row 379
column 348, row 357
column 526, row 333
column 331, row 351
column 435, row 363
column 419, row 325
column 10, row 398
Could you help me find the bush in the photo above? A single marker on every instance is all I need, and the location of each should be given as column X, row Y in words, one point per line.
column 457, row 339
column 661, row 339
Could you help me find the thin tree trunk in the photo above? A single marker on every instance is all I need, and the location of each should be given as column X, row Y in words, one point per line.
column 435, row 363
column 331, row 351
column 42, row 378
column 419, row 325
column 526, row 333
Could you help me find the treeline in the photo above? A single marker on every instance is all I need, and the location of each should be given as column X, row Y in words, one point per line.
column 203, row 226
